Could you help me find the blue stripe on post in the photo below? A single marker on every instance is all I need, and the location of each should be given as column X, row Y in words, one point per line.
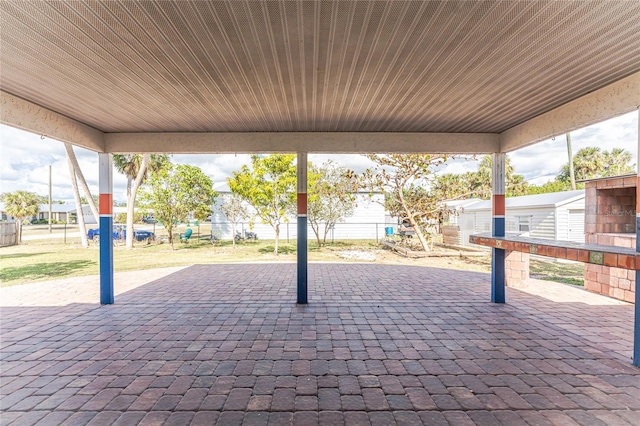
column 497, row 230
column 497, row 275
column 106, row 260
column 302, row 259
column 636, row 325
column 636, row 321
column 497, row 264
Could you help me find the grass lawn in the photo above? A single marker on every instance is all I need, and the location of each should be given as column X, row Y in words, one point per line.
column 47, row 259
column 561, row 272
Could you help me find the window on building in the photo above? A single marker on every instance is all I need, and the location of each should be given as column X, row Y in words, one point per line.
column 524, row 223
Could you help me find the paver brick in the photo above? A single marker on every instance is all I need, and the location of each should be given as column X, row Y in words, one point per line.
column 283, row 400
column 256, row 418
column 305, row 418
column 371, row 347
column 205, row 418
column 330, row 418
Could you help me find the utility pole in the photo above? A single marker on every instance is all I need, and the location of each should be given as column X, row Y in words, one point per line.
column 572, row 175
column 50, row 208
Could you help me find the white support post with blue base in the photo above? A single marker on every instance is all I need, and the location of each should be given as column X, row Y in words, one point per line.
column 105, row 184
column 498, row 180
column 302, row 227
column 636, row 321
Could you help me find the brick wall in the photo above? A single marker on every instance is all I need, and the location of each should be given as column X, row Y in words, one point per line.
column 610, row 214
column 516, row 269
column 612, row 282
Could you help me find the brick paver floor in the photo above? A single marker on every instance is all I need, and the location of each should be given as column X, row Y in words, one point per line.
column 378, row 344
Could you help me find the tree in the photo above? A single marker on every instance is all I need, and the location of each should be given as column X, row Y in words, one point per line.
column 547, row 187
column 618, row 162
column 478, row 184
column 593, row 163
column 84, row 200
column 235, row 211
column 331, row 198
column 269, row 185
column 21, row 205
column 136, row 167
column 403, row 179
column 176, row 190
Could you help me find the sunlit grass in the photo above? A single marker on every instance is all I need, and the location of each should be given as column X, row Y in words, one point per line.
column 40, row 260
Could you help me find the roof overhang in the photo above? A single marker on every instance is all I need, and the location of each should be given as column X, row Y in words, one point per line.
column 285, row 76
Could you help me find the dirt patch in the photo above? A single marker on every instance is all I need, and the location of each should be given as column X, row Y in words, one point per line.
column 361, row 255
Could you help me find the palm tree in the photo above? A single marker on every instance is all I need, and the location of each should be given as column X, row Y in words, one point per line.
column 591, row 163
column 617, row 162
column 136, row 168
column 21, row 205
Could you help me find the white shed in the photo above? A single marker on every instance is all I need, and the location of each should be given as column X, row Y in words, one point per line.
column 367, row 222
column 553, row 216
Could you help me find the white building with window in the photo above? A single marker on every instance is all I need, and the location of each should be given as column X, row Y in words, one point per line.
column 554, row 216
column 367, row 222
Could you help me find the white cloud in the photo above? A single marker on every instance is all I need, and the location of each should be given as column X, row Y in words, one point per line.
column 25, row 159
column 542, row 162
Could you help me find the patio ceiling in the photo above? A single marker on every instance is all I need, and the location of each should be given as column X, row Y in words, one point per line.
column 198, row 76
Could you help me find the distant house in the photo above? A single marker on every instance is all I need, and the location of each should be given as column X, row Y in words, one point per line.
column 59, row 212
column 367, row 222
column 554, row 216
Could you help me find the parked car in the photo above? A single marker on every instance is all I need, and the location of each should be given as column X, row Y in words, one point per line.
column 149, row 219
column 119, row 233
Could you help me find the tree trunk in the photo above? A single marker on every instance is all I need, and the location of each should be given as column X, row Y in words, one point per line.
column 420, row 235
column 169, row 228
column 412, row 221
column 277, row 229
column 233, row 234
column 76, row 195
column 315, row 227
column 129, row 183
column 71, row 156
column 131, row 201
column 572, row 175
column 327, row 228
column 19, row 230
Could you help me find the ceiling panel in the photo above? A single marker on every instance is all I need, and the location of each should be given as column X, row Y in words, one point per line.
column 308, row 66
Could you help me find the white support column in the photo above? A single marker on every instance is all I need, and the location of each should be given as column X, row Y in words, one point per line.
column 302, row 227
column 636, row 322
column 105, row 183
column 498, row 184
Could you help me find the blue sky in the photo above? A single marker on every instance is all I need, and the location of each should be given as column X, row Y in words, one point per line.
column 25, row 159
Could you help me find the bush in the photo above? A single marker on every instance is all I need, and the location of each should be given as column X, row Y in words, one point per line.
column 122, row 218
column 46, row 222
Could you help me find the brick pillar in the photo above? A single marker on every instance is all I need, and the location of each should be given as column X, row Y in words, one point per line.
column 516, row 269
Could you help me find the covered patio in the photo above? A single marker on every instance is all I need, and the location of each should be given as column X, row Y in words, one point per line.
column 366, row 343
column 377, row 344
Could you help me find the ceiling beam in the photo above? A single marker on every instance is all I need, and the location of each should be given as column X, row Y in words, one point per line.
column 25, row 115
column 314, row 142
column 610, row 101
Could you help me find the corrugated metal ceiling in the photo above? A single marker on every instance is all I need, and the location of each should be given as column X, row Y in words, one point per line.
column 389, row 66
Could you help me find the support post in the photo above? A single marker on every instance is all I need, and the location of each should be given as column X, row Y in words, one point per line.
column 498, row 183
column 636, row 321
column 302, row 227
column 105, row 183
